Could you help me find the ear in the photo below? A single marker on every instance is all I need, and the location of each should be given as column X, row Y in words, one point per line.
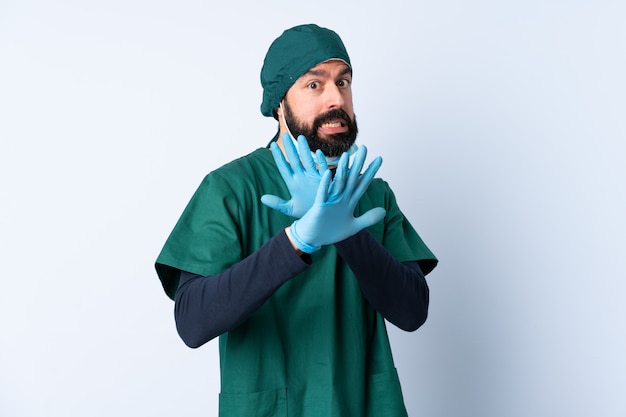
column 279, row 111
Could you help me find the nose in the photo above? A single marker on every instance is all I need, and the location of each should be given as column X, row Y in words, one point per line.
column 334, row 97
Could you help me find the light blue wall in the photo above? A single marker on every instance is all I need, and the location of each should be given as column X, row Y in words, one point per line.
column 501, row 125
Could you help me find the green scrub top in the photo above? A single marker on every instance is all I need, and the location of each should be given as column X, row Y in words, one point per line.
column 316, row 347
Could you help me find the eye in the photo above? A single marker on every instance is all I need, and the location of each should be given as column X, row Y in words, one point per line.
column 343, row 83
column 313, row 85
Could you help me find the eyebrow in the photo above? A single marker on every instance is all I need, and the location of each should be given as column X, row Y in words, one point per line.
column 317, row 73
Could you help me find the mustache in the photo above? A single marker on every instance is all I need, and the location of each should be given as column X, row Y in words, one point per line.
column 331, row 115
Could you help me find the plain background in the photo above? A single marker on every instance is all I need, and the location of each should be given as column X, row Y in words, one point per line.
column 502, row 129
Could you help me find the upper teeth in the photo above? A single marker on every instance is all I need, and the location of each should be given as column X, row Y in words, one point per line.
column 332, row 124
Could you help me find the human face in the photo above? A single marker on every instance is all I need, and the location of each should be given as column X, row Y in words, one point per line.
column 319, row 106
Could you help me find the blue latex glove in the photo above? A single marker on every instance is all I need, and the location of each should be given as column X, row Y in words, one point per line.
column 300, row 174
column 331, row 218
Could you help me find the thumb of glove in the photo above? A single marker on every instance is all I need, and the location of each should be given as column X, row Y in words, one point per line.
column 277, row 204
column 369, row 218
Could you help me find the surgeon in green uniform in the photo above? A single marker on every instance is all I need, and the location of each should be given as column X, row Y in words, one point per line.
column 296, row 257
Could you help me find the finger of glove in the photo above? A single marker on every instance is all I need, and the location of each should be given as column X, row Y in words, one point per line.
column 277, row 203
column 341, row 173
column 352, row 178
column 365, row 179
column 292, row 154
column 307, row 161
column 369, row 218
column 357, row 165
column 281, row 163
column 322, row 165
column 322, row 190
column 311, row 224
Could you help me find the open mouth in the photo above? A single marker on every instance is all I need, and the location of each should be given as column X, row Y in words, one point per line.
column 333, row 126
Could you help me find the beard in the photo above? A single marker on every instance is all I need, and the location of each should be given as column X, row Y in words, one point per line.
column 330, row 145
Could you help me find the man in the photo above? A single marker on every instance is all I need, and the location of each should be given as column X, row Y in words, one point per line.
column 295, row 260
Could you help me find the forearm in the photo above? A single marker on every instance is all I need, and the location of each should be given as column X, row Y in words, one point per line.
column 207, row 306
column 396, row 290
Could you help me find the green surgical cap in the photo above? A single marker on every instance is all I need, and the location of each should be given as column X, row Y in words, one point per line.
column 292, row 54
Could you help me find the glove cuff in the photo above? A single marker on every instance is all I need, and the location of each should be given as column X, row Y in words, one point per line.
column 301, row 244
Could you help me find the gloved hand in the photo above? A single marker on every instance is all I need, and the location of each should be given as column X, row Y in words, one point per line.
column 331, row 218
column 300, row 174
